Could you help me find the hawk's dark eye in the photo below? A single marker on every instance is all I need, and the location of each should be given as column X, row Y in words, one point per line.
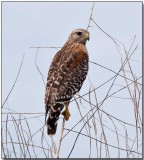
column 79, row 33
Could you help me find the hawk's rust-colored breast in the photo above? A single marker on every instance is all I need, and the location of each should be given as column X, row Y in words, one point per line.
column 79, row 54
column 62, row 71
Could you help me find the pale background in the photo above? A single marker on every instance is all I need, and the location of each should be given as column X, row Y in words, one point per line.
column 27, row 24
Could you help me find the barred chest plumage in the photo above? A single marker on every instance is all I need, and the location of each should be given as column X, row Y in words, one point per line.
column 74, row 70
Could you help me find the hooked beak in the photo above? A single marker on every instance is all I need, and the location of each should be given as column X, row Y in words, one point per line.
column 87, row 36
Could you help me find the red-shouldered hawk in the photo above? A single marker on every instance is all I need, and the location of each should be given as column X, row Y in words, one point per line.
column 66, row 75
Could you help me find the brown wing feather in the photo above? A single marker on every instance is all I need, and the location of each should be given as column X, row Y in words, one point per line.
column 74, row 77
column 68, row 70
column 52, row 71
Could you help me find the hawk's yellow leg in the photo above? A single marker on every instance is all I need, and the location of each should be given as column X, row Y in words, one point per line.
column 66, row 113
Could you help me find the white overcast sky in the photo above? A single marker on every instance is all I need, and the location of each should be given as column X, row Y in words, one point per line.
column 27, row 24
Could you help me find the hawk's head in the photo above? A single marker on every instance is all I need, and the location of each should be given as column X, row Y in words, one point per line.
column 79, row 35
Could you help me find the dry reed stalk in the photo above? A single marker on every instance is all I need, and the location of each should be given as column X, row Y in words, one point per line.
column 60, row 139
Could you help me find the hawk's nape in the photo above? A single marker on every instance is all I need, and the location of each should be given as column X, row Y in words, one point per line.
column 66, row 75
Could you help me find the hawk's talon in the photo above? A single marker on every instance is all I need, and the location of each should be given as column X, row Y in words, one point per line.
column 66, row 113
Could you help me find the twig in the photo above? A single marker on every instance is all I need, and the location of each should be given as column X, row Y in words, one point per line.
column 111, row 71
column 44, row 47
column 15, row 80
column 22, row 113
column 60, row 139
column 90, row 15
column 100, row 141
column 42, row 76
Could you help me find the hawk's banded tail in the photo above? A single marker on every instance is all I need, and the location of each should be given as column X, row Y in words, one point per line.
column 54, row 113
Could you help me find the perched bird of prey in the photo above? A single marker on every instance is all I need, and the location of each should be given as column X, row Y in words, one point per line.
column 66, row 75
